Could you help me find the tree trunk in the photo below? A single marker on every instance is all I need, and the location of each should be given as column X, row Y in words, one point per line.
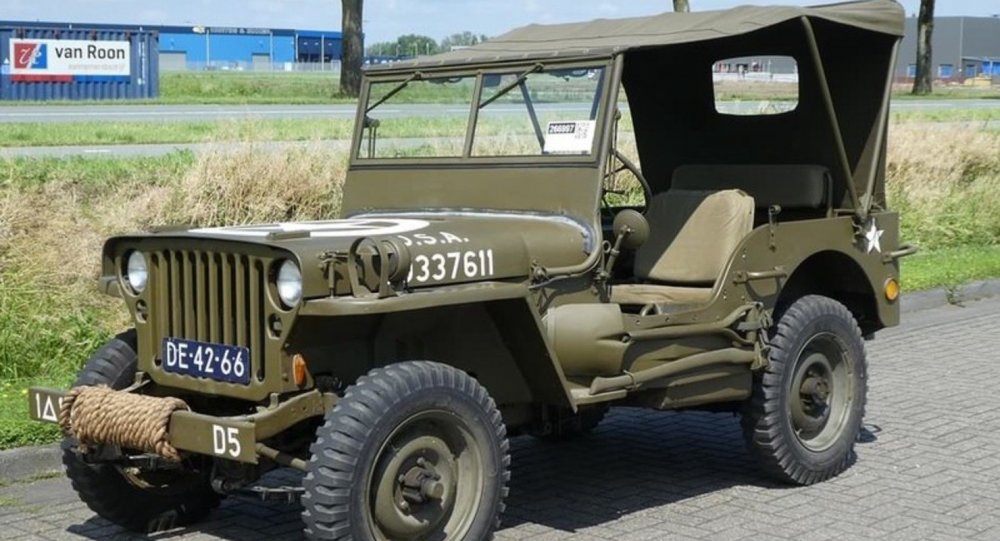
column 353, row 54
column 681, row 6
column 925, row 26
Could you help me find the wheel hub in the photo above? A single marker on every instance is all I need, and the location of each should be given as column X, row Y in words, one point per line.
column 426, row 483
column 421, row 483
column 820, row 392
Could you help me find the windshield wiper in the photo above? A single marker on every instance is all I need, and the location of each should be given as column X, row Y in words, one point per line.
column 396, row 90
column 511, row 86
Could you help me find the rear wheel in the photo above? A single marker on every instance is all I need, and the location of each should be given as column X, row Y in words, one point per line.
column 808, row 404
column 416, row 450
column 143, row 501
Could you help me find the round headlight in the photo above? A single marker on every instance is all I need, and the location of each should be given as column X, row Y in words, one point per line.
column 289, row 283
column 136, row 272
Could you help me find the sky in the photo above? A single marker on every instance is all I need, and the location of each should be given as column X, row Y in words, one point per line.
column 387, row 19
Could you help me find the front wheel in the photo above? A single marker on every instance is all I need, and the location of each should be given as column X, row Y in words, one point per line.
column 140, row 500
column 415, row 450
column 807, row 406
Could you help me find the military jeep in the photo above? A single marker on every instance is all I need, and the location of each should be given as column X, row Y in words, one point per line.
column 519, row 272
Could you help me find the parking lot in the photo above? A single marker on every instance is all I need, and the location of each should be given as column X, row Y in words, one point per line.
column 927, row 468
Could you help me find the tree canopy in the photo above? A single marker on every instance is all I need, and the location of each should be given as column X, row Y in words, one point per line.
column 417, row 45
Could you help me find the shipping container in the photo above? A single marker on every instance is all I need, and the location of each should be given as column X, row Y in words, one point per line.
column 77, row 63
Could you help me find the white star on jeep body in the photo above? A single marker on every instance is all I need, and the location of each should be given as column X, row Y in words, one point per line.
column 873, row 237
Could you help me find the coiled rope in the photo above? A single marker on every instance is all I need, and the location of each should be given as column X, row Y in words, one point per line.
column 101, row 415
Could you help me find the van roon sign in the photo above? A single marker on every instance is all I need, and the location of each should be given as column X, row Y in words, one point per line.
column 59, row 60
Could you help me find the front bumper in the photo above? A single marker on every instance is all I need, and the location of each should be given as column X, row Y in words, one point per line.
column 238, row 438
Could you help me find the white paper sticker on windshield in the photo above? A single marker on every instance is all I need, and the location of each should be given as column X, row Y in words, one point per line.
column 570, row 137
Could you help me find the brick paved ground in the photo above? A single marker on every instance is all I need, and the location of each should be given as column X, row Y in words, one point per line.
column 929, row 469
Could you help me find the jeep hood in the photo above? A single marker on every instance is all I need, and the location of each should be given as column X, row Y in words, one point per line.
column 446, row 247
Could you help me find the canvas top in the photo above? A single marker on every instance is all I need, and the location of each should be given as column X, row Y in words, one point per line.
column 612, row 36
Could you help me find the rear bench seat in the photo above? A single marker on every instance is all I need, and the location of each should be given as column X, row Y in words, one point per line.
column 802, row 191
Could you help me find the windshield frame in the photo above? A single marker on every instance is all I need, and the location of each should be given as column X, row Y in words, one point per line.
column 593, row 158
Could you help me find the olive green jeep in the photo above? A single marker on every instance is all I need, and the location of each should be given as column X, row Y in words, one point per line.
column 518, row 272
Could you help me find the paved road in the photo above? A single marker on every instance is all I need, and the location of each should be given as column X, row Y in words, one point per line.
column 929, row 468
column 337, row 145
column 126, row 151
column 162, row 113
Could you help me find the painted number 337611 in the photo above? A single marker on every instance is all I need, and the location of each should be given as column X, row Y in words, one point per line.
column 457, row 265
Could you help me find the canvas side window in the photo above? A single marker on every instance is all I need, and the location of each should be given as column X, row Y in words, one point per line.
column 756, row 85
column 621, row 187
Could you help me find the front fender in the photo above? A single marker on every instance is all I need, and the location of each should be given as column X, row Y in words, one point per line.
column 491, row 330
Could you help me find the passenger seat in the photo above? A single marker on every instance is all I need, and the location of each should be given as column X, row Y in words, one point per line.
column 693, row 233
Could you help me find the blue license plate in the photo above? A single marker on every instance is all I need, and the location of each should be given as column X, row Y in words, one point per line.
column 210, row 361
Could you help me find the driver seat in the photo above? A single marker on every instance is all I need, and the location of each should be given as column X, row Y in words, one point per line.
column 693, row 233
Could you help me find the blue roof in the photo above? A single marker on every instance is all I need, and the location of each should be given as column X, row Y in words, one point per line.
column 175, row 29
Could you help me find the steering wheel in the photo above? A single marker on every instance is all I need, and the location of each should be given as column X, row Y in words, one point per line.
column 630, row 166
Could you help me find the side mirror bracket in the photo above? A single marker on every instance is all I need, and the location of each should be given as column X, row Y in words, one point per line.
column 631, row 231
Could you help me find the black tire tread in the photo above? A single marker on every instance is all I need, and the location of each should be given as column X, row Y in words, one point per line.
column 333, row 466
column 762, row 418
column 101, row 487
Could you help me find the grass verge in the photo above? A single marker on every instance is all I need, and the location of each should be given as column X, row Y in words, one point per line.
column 32, row 134
column 242, row 87
column 950, row 267
column 16, row 429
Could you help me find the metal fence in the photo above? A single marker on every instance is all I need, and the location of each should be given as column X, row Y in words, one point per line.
column 256, row 66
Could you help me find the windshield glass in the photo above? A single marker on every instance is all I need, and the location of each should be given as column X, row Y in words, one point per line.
column 417, row 118
column 530, row 111
column 538, row 113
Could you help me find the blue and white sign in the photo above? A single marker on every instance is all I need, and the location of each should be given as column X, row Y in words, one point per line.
column 56, row 60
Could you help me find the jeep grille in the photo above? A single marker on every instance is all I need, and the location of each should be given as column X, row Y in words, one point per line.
column 211, row 297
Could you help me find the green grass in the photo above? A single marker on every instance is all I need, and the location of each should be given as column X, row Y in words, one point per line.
column 136, row 133
column 39, row 332
column 947, row 115
column 16, row 428
column 234, row 87
column 950, row 267
column 93, row 175
column 947, row 92
column 261, row 88
column 313, row 129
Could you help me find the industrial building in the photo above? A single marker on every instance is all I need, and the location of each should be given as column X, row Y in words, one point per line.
column 219, row 47
column 962, row 48
column 215, row 47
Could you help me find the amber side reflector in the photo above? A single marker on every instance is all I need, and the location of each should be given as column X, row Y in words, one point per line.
column 891, row 289
column 299, row 369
